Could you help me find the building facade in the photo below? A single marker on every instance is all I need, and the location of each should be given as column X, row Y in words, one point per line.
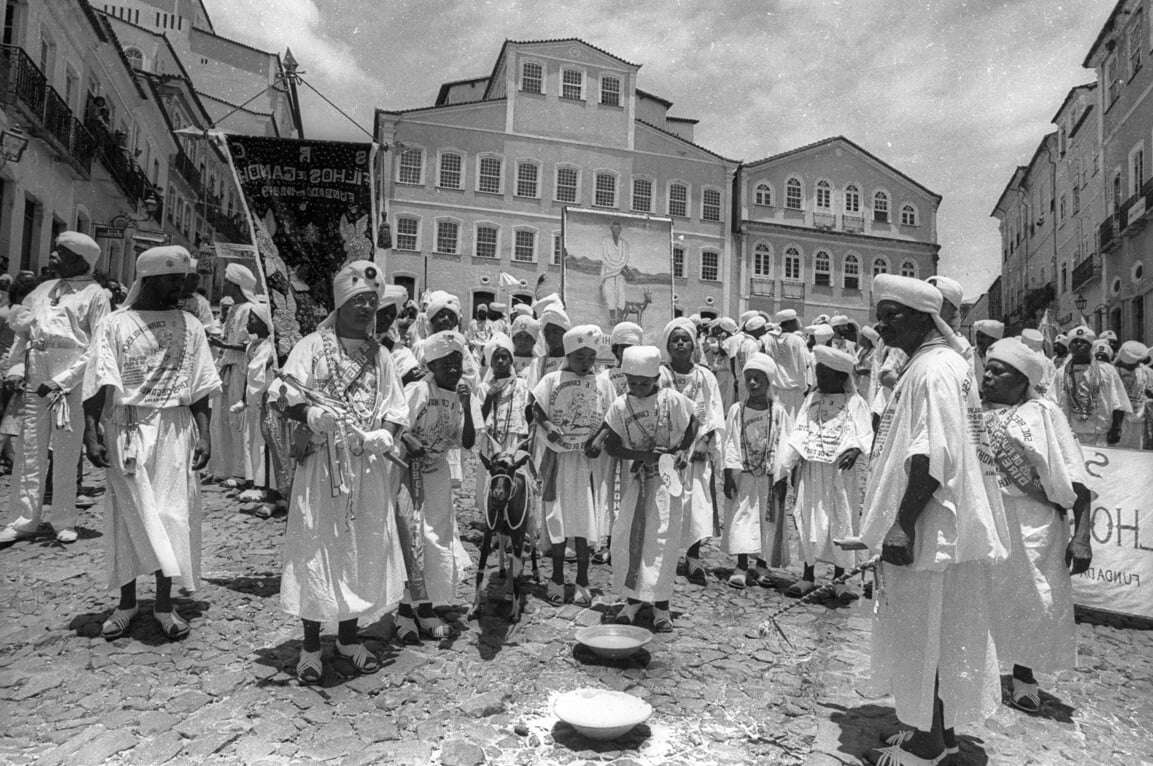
column 476, row 184
column 818, row 222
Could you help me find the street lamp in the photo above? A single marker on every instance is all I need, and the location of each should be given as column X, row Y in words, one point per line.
column 13, row 142
column 150, row 203
column 1080, row 302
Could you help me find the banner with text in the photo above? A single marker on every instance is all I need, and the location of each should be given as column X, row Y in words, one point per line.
column 1121, row 577
column 312, row 208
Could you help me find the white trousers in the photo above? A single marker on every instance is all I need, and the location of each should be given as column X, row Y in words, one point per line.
column 38, row 435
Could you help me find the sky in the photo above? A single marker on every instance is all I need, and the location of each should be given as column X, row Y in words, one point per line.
column 954, row 93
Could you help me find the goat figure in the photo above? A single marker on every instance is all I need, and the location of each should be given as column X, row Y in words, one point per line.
column 506, row 521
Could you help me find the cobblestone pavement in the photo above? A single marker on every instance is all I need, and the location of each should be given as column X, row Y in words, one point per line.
column 227, row 694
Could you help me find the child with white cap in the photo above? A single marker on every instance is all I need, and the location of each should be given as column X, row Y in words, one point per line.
column 569, row 406
column 754, row 478
column 51, row 347
column 832, row 429
column 648, row 426
column 227, row 464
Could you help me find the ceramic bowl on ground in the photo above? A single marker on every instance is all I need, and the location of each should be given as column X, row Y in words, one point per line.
column 601, row 713
column 614, row 641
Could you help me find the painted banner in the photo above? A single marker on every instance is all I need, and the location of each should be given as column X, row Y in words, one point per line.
column 312, row 209
column 1121, row 577
column 617, row 268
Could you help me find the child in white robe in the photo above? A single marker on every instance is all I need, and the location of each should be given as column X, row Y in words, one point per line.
column 247, row 406
column 146, row 391
column 754, row 478
column 832, row 429
column 524, row 332
column 442, row 416
column 569, row 406
column 647, row 425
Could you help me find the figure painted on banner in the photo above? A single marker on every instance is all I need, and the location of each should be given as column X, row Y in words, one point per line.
column 146, row 411
column 1138, row 382
column 288, row 315
column 1040, row 468
column 1090, row 392
column 354, row 235
column 614, row 252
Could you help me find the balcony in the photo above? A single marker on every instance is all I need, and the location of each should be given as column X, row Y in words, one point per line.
column 24, row 88
column 1132, row 215
column 1085, row 272
column 853, row 222
column 761, row 286
column 793, row 290
column 824, row 220
column 1107, row 234
column 187, row 170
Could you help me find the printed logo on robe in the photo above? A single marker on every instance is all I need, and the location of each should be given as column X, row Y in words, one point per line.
column 575, row 407
column 886, row 424
column 152, row 360
column 1013, row 467
column 438, row 426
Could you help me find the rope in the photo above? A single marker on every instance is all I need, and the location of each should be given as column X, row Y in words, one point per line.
column 337, row 108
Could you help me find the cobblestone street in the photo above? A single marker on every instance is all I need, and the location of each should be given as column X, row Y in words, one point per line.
column 227, row 694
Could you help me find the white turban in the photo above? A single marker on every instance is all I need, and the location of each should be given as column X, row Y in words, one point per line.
column 582, row 336
column 1108, row 335
column 746, row 316
column 525, row 324
column 1102, row 346
column 554, row 313
column 1063, row 339
column 261, row 309
column 755, row 322
column 644, row 361
column 627, row 334
column 242, row 277
column 917, row 295
column 1013, row 352
column 834, row 359
column 785, row 315
column 1132, row 352
column 1033, row 338
column 821, row 319
column 441, row 344
column 1082, row 333
column 522, row 309
column 157, row 262
column 393, row 295
column 990, row 327
column 727, row 324
column 355, row 278
column 695, row 319
column 679, row 323
column 951, row 289
column 404, row 360
column 823, row 333
column 540, row 304
column 439, row 300
column 870, row 333
column 497, row 308
column 762, row 362
column 498, row 341
column 839, row 320
column 81, row 244
column 227, row 301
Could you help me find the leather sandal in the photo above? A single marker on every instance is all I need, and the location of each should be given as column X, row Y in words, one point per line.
column 628, row 614
column 407, row 631
column 1025, row 696
column 901, row 736
column 739, row 579
column 555, row 593
column 895, row 755
column 310, row 667
column 361, row 658
column 172, row 624
column 800, row 588
column 117, row 623
column 662, row 621
column 434, row 627
column 582, row 596
column 695, row 571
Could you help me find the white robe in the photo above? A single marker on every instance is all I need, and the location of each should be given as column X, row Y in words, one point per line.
column 1089, row 394
column 228, row 432
column 827, row 498
column 934, row 616
column 157, row 363
column 794, row 371
column 1038, row 461
column 647, row 533
column 753, row 447
column 1136, row 382
column 700, row 386
column 342, row 557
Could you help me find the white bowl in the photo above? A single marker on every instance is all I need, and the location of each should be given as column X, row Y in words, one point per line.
column 614, row 641
column 601, row 713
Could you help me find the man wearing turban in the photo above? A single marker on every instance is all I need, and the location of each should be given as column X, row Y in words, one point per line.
column 47, row 360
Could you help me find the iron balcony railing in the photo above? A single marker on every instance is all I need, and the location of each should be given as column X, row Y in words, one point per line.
column 1084, row 272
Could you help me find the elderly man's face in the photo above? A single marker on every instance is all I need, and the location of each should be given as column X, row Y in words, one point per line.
column 1079, row 349
column 900, row 326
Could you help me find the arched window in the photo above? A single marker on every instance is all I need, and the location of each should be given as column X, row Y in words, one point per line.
column 763, row 195
column 793, row 194
column 881, row 207
column 908, row 215
column 852, row 199
column 852, row 272
column 909, row 269
column 822, row 269
column 793, row 264
column 762, row 260
column 880, row 266
column 824, row 195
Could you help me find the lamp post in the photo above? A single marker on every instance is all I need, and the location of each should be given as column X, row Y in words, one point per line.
column 1080, row 303
column 13, row 142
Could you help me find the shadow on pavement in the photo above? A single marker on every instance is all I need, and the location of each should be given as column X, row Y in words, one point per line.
column 337, row 670
column 257, row 584
column 144, row 627
column 863, row 727
column 1051, row 707
column 566, row 736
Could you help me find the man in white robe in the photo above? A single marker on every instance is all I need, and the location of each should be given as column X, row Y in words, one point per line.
column 47, row 360
column 228, row 429
column 1090, row 393
column 932, row 510
column 146, row 412
column 794, row 366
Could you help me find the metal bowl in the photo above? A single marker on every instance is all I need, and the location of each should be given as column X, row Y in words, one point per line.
column 601, row 713
column 614, row 641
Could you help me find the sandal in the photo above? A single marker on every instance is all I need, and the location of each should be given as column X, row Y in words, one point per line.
column 800, row 588
column 602, row 557
column 172, row 625
column 662, row 621
column 761, row 577
column 1026, row 696
column 434, row 627
column 582, row 596
column 555, row 593
column 117, row 623
column 407, row 631
column 845, row 594
column 695, row 571
column 628, row 614
column 232, row 483
column 739, row 579
column 309, row 668
column 901, row 736
column 363, row 660
column 895, row 755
